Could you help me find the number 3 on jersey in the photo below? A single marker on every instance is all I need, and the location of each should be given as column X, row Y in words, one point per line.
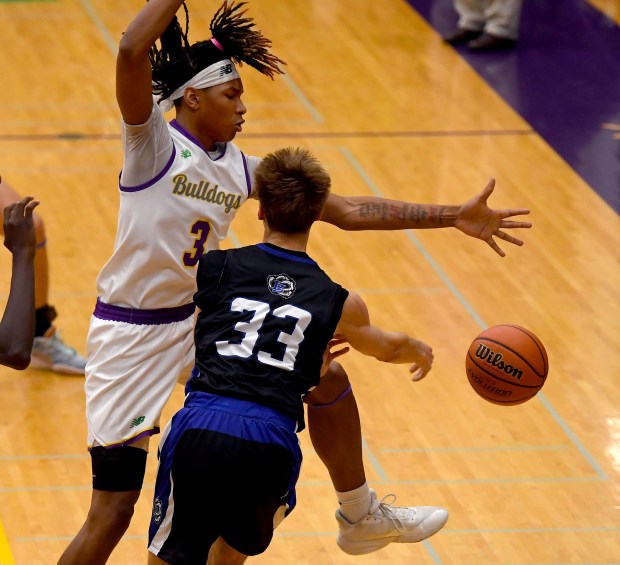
column 200, row 230
column 251, row 330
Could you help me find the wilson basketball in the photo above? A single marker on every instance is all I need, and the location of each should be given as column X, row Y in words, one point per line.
column 506, row 364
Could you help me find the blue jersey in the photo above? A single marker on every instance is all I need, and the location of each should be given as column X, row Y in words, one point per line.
column 266, row 317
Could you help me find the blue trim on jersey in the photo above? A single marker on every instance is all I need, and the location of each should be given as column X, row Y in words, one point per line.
column 153, row 181
column 284, row 255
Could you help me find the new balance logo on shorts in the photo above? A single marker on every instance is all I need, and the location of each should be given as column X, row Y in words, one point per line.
column 137, row 421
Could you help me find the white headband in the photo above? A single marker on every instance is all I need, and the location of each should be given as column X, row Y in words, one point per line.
column 218, row 73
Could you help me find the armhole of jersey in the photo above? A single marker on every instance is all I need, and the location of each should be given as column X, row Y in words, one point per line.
column 339, row 299
column 155, row 127
column 221, row 277
column 152, row 181
column 246, row 169
column 207, row 289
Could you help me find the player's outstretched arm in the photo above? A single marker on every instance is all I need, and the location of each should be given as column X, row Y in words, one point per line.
column 17, row 326
column 473, row 218
column 390, row 347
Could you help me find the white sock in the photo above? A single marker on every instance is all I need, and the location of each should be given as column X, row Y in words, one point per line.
column 355, row 504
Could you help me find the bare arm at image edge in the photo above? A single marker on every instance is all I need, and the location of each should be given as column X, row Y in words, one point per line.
column 18, row 321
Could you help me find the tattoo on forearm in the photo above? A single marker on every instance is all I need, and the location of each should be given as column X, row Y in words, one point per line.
column 373, row 210
column 442, row 215
column 436, row 215
column 414, row 214
column 398, row 212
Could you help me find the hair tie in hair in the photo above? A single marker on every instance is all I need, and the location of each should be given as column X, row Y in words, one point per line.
column 218, row 73
column 217, row 44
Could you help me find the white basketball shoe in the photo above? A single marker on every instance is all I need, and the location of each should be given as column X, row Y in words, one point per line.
column 386, row 524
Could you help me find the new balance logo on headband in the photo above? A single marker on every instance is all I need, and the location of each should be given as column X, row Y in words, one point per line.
column 226, row 70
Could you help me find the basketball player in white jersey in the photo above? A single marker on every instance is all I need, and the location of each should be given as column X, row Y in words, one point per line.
column 180, row 187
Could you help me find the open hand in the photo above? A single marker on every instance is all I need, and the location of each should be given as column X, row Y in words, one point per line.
column 476, row 219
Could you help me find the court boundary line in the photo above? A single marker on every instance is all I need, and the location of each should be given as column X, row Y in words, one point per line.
column 384, row 481
column 405, row 134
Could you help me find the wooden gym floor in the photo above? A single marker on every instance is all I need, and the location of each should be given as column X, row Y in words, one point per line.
column 390, row 110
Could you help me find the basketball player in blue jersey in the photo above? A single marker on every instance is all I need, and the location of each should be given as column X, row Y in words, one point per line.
column 267, row 313
column 180, row 187
column 17, row 325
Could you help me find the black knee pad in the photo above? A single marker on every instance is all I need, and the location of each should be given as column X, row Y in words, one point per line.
column 118, row 469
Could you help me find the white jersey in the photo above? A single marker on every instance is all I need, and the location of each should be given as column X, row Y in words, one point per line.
column 182, row 208
column 176, row 202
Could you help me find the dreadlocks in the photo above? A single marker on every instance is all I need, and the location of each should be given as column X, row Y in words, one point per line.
column 176, row 61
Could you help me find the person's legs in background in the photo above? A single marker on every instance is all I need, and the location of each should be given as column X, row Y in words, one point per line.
column 49, row 350
column 501, row 29
column 487, row 25
column 471, row 21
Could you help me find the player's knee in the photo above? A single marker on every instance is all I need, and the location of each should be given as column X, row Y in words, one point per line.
column 111, row 513
column 334, row 385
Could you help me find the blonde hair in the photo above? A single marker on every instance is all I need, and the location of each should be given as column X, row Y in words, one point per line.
column 292, row 188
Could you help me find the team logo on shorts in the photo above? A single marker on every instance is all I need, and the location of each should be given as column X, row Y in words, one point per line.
column 282, row 285
column 157, row 511
column 137, row 421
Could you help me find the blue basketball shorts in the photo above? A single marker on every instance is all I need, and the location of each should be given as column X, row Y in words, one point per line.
column 227, row 467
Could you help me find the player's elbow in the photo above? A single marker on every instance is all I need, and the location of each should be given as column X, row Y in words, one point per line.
column 129, row 50
column 341, row 222
column 342, row 213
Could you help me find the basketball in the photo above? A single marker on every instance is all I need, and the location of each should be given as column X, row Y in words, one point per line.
column 506, row 364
